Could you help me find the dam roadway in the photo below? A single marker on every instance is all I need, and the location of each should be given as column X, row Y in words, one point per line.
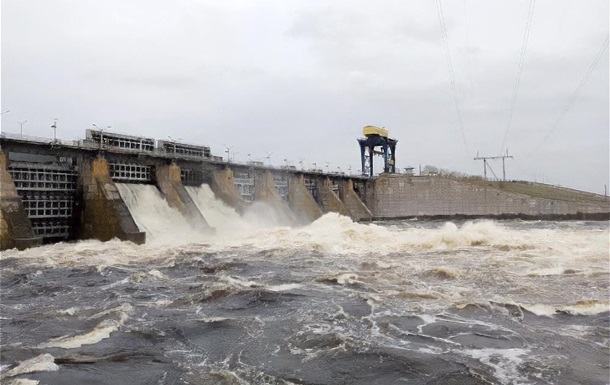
column 54, row 190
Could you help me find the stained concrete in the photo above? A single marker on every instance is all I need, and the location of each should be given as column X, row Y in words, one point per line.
column 402, row 196
column 104, row 215
column 357, row 209
column 15, row 226
column 300, row 200
column 170, row 184
column 329, row 200
column 265, row 191
column 221, row 183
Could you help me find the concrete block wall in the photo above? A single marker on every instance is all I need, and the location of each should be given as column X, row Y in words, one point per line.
column 15, row 226
column 301, row 201
column 170, row 184
column 357, row 209
column 104, row 215
column 396, row 196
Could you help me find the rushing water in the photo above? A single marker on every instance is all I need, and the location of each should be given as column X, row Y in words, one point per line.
column 333, row 302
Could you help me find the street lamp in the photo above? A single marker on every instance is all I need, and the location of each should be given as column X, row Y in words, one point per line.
column 268, row 157
column 228, row 151
column 314, row 166
column 21, row 126
column 327, row 167
column 54, row 127
column 5, row 112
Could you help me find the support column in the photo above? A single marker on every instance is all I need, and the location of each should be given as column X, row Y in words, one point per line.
column 266, row 191
column 301, row 201
column 104, row 215
column 170, row 184
column 329, row 200
column 224, row 188
column 357, row 209
column 15, row 226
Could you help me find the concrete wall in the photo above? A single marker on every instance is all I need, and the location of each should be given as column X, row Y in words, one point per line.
column 266, row 191
column 396, row 196
column 301, row 201
column 104, row 215
column 221, row 183
column 329, row 200
column 357, row 209
column 15, row 227
column 170, row 184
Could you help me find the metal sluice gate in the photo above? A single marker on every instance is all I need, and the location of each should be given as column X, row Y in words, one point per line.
column 48, row 196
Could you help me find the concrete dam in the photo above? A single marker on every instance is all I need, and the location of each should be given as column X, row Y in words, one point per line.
column 95, row 188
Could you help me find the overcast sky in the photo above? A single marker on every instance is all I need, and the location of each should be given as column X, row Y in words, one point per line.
column 299, row 79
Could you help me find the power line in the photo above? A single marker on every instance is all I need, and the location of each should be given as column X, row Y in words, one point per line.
column 513, row 100
column 576, row 93
column 439, row 8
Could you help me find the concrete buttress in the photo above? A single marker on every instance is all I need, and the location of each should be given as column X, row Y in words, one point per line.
column 15, row 226
column 266, row 191
column 329, row 200
column 357, row 209
column 221, row 183
column 301, row 201
column 104, row 214
column 170, row 184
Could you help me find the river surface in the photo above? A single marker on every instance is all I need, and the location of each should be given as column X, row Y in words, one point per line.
column 333, row 302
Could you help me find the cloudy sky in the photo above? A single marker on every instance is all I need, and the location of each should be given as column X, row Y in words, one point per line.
column 299, row 79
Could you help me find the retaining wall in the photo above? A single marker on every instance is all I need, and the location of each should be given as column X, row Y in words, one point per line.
column 401, row 196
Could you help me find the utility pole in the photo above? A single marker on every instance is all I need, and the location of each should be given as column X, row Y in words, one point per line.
column 486, row 165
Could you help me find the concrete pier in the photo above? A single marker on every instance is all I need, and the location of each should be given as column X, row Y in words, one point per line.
column 266, row 191
column 221, row 183
column 170, row 184
column 357, row 209
column 15, row 227
column 329, row 200
column 301, row 201
column 104, row 215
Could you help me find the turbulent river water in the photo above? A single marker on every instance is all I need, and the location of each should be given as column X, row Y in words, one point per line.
column 333, row 302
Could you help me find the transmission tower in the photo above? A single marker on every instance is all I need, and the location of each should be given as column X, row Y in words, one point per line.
column 486, row 164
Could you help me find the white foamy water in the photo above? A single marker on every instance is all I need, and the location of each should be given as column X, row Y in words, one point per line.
column 152, row 213
column 227, row 222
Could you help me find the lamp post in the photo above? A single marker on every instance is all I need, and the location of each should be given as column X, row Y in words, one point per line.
column 21, row 126
column 314, row 166
column 228, row 151
column 268, row 157
column 54, row 127
column 5, row 112
column 327, row 166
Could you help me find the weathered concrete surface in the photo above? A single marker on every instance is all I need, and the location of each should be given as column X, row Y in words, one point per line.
column 221, row 183
column 300, row 200
column 15, row 226
column 170, row 184
column 402, row 196
column 329, row 200
column 266, row 191
column 104, row 215
column 357, row 209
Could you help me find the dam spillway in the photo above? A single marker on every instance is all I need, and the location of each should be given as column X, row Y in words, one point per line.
column 61, row 190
